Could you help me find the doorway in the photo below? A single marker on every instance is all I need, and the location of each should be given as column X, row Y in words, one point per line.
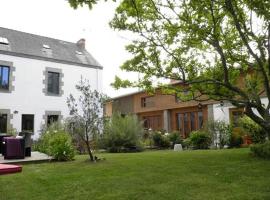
column 188, row 122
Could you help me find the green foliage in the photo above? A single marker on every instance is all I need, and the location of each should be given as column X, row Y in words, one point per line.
column 200, row 139
column 60, row 146
column 261, row 150
column 175, row 138
column 123, row 133
column 86, row 121
column 55, row 142
column 220, row 132
column 256, row 132
column 12, row 131
column 207, row 45
column 236, row 139
column 161, row 140
column 187, row 143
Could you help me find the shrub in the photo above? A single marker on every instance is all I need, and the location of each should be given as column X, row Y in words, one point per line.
column 60, row 146
column 257, row 134
column 236, row 138
column 175, row 138
column 186, row 143
column 200, row 139
column 123, row 134
column 261, row 150
column 55, row 142
column 161, row 140
column 220, row 132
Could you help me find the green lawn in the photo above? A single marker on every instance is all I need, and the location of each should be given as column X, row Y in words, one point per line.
column 203, row 175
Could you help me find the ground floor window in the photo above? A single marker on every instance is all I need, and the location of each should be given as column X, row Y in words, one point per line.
column 3, row 123
column 51, row 119
column 152, row 122
column 28, row 123
column 189, row 121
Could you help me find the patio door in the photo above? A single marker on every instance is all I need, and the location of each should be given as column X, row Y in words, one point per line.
column 189, row 121
column 28, row 123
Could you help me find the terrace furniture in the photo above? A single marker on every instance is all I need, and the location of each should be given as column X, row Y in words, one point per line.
column 7, row 169
column 14, row 148
column 2, row 135
column 28, row 142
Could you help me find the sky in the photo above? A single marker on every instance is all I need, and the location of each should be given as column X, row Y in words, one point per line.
column 56, row 19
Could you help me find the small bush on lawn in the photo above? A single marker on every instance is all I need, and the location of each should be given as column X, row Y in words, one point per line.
column 161, row 140
column 55, row 142
column 187, row 143
column 261, row 150
column 220, row 132
column 60, row 146
column 123, row 134
column 236, row 138
column 200, row 140
column 175, row 138
column 257, row 134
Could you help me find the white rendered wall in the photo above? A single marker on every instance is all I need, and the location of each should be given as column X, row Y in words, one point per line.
column 28, row 97
column 222, row 113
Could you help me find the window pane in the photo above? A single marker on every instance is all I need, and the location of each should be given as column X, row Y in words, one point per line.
column 236, row 115
column 192, row 121
column 51, row 119
column 200, row 119
column 4, row 77
column 186, row 127
column 28, row 123
column 3, row 123
column 53, row 82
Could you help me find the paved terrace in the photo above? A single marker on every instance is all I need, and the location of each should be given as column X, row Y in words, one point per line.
column 35, row 157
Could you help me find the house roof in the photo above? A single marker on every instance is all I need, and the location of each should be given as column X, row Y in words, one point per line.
column 43, row 48
column 140, row 91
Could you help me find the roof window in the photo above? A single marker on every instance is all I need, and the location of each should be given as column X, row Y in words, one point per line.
column 79, row 52
column 45, row 46
column 4, row 41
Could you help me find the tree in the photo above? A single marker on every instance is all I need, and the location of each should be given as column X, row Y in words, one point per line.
column 86, row 114
column 218, row 49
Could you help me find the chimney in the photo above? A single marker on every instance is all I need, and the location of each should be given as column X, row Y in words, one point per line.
column 81, row 43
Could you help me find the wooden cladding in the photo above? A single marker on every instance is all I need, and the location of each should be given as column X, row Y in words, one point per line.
column 152, row 122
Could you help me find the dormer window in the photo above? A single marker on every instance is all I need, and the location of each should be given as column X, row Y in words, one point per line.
column 4, row 41
column 79, row 53
column 45, row 46
column 47, row 51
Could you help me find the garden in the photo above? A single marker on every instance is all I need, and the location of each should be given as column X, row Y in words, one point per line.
column 214, row 163
column 202, row 174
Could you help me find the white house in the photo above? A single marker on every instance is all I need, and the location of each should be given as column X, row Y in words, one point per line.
column 36, row 76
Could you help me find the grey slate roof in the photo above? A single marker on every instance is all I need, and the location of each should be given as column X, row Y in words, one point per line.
column 31, row 46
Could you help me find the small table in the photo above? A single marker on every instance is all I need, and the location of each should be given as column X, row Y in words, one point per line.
column 2, row 135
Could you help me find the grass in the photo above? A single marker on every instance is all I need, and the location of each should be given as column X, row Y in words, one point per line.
column 214, row 174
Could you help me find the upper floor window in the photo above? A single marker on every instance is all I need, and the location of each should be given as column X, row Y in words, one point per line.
column 4, row 77
column 53, row 82
column 147, row 102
